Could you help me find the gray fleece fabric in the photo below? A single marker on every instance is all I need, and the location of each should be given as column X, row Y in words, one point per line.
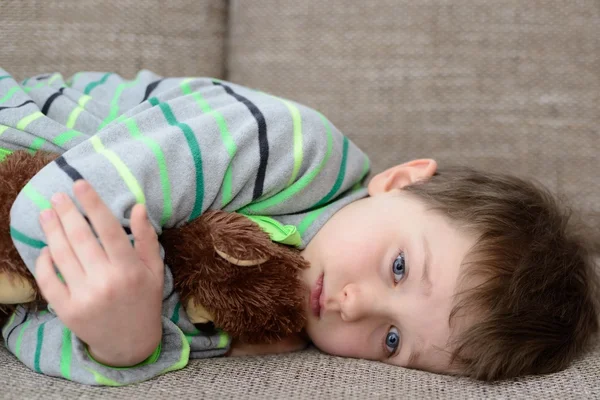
column 181, row 146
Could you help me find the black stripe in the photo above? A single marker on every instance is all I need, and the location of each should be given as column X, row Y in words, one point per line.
column 41, row 78
column 263, row 142
column 75, row 175
column 68, row 169
column 20, row 105
column 14, row 327
column 151, row 88
column 50, row 100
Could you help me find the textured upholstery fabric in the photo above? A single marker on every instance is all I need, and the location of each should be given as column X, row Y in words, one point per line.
column 503, row 84
column 175, row 37
column 506, row 85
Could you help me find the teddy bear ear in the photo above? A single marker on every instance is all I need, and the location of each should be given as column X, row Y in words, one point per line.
column 241, row 262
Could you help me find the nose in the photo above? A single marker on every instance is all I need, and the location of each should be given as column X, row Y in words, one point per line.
column 354, row 302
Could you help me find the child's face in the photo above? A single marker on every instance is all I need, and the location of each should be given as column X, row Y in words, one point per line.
column 375, row 303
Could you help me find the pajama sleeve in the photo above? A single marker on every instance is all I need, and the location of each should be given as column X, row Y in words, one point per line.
column 180, row 146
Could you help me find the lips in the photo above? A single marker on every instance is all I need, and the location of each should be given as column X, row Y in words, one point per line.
column 315, row 297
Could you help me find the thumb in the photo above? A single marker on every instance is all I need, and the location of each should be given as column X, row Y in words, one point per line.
column 146, row 244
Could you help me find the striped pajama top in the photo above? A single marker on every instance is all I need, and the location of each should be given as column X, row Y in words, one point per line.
column 181, row 146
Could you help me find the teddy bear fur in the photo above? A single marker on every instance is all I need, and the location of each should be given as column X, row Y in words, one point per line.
column 221, row 262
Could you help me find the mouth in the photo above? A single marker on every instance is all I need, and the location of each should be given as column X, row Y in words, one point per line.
column 315, row 297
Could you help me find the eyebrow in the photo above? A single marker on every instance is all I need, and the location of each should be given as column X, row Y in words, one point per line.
column 425, row 281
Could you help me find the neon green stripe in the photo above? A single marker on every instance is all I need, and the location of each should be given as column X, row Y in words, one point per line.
column 195, row 150
column 4, row 153
column 223, row 339
column 92, row 85
column 122, row 169
column 29, row 89
column 66, row 354
column 309, row 219
column 21, row 237
column 10, row 94
column 3, row 128
column 22, row 124
column 340, row 178
column 184, row 357
column 36, row 144
column 36, row 197
column 20, row 339
column 162, row 168
column 298, row 151
column 65, row 137
column 228, row 141
column 54, row 77
column 77, row 110
column 298, row 186
column 38, row 348
column 114, row 104
column 8, row 324
column 102, row 380
column 71, row 81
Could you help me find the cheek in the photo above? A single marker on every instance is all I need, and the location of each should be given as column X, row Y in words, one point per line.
column 340, row 340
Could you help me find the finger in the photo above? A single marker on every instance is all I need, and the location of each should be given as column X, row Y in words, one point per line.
column 79, row 234
column 53, row 290
column 107, row 226
column 60, row 249
column 147, row 247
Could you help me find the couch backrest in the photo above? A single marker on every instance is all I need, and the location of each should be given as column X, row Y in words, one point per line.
column 506, row 85
column 501, row 84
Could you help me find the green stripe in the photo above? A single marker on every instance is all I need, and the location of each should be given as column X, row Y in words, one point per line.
column 162, row 168
column 298, row 151
column 309, row 219
column 36, row 197
column 92, row 85
column 38, row 348
column 4, row 153
column 5, row 77
column 29, row 89
column 8, row 324
column 195, row 150
column 22, row 124
column 114, row 104
column 65, row 137
column 226, row 137
column 77, row 110
column 298, row 186
column 53, row 78
column 184, row 356
column 340, row 178
column 10, row 94
column 21, row 237
column 36, row 144
column 20, row 339
column 223, row 339
column 175, row 316
column 122, row 169
column 66, row 354
column 3, row 128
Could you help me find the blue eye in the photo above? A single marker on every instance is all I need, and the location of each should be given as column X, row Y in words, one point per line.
column 392, row 340
column 398, row 268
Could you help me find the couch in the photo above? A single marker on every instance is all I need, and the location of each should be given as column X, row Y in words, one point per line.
column 506, row 85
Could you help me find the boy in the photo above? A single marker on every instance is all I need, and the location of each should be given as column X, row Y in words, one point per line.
column 454, row 272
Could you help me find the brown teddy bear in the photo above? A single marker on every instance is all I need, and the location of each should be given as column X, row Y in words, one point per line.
column 234, row 277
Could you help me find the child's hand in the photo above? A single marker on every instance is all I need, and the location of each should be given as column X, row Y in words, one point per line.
column 112, row 296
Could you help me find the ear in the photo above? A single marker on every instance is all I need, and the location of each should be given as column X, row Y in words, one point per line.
column 402, row 175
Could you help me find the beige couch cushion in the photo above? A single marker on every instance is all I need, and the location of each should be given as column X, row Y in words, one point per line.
column 501, row 84
column 175, row 37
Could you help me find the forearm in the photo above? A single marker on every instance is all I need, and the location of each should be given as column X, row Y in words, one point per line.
column 117, row 353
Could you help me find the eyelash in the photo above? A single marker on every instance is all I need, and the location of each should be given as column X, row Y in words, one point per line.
column 393, row 328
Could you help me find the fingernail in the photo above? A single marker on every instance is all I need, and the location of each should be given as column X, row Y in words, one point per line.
column 47, row 215
column 58, row 198
column 81, row 186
